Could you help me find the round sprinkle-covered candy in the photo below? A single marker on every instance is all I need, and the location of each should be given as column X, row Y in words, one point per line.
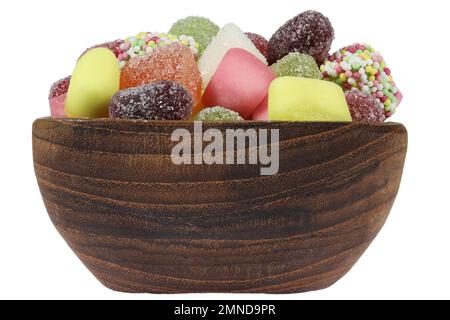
column 145, row 43
column 218, row 114
column 297, row 65
column 361, row 67
column 162, row 100
column 201, row 29
column 309, row 32
column 363, row 107
column 260, row 43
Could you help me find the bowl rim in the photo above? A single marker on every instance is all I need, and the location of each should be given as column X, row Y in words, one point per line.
column 173, row 123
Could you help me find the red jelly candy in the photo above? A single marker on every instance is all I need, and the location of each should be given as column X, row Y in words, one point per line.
column 363, row 107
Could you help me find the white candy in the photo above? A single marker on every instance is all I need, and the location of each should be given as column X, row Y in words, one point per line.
column 230, row 36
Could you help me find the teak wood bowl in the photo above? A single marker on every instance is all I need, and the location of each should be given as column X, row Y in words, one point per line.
column 143, row 224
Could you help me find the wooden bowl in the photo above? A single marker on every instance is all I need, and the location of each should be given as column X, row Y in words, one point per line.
column 143, row 224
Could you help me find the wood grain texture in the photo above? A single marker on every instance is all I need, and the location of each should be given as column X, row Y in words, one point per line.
column 142, row 224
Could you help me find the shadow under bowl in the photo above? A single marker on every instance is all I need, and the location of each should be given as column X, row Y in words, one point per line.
column 140, row 223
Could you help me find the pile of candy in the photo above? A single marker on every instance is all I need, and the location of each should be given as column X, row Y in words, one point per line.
column 201, row 72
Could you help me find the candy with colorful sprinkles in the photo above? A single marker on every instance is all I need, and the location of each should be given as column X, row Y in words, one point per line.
column 173, row 62
column 199, row 28
column 218, row 114
column 363, row 107
column 361, row 67
column 309, row 32
column 297, row 65
column 145, row 43
column 162, row 100
column 260, row 42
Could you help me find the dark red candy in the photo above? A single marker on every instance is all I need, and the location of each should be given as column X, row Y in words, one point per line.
column 162, row 100
column 114, row 46
column 310, row 33
column 363, row 107
column 60, row 87
column 260, row 43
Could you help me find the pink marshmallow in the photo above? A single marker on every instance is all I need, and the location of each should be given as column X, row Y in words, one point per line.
column 57, row 106
column 240, row 83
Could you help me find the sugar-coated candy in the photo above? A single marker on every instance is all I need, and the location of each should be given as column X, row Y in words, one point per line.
column 199, row 28
column 240, row 83
column 161, row 100
column 309, row 32
column 363, row 107
column 297, row 64
column 303, row 99
column 360, row 66
column 94, row 81
column 59, row 87
column 260, row 43
column 57, row 97
column 218, row 114
column 145, row 43
column 174, row 62
column 114, row 46
column 229, row 37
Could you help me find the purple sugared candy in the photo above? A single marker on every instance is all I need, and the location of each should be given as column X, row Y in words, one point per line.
column 162, row 100
column 260, row 43
column 309, row 32
column 363, row 107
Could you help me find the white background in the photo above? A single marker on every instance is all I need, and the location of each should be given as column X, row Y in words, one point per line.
column 41, row 40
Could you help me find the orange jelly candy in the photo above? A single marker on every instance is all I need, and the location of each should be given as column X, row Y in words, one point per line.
column 174, row 62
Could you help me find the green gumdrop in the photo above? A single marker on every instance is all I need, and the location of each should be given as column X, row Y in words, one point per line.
column 218, row 114
column 297, row 65
column 201, row 29
column 94, row 81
